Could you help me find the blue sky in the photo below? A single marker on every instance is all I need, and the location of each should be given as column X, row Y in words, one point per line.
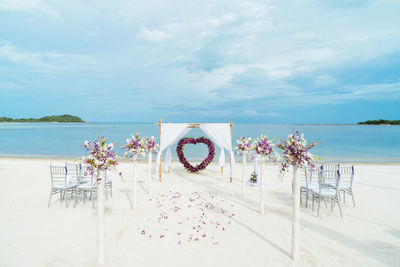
column 253, row 61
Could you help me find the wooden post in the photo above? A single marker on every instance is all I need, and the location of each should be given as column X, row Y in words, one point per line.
column 160, row 175
column 262, row 186
column 222, row 169
column 149, row 172
column 134, row 181
column 243, row 173
column 230, row 120
column 100, row 217
column 296, row 214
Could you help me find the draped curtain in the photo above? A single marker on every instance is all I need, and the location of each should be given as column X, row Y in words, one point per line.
column 170, row 134
column 220, row 134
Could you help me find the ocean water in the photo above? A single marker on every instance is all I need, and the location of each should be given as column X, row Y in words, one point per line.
column 337, row 143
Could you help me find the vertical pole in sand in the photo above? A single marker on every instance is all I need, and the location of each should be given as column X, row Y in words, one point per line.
column 149, row 174
column 230, row 123
column 134, row 181
column 296, row 214
column 262, row 186
column 100, row 217
column 243, row 172
column 160, row 174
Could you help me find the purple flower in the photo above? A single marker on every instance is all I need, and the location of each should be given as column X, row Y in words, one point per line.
column 190, row 140
column 295, row 152
column 101, row 156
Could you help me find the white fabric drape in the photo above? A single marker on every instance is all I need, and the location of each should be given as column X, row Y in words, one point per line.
column 255, row 163
column 220, row 134
column 170, row 134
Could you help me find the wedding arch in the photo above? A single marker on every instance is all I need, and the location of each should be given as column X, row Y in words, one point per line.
column 219, row 133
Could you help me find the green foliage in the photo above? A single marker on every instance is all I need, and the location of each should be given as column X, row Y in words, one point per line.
column 253, row 178
column 59, row 118
column 380, row 122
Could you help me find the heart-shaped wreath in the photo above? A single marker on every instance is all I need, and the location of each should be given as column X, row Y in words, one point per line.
column 190, row 140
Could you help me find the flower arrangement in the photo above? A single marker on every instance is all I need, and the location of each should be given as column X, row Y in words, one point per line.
column 150, row 144
column 101, row 158
column 295, row 152
column 191, row 140
column 244, row 145
column 253, row 178
column 134, row 146
column 265, row 148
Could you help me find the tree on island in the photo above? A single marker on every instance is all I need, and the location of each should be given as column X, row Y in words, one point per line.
column 54, row 118
column 380, row 122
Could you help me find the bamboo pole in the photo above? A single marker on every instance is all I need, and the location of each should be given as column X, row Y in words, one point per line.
column 149, row 173
column 262, row 186
column 243, row 173
column 230, row 121
column 296, row 215
column 100, row 218
column 159, row 140
column 134, row 181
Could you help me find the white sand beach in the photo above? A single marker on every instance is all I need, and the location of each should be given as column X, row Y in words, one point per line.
column 196, row 220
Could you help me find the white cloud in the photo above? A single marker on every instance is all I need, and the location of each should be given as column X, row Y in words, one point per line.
column 152, row 36
column 30, row 6
column 242, row 55
column 42, row 61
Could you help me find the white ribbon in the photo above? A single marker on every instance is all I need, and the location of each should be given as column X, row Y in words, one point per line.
column 221, row 158
column 168, row 158
column 255, row 163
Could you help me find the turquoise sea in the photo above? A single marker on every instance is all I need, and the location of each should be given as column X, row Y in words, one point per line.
column 339, row 143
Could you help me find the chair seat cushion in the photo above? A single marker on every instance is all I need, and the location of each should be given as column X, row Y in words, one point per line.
column 64, row 186
column 310, row 185
column 331, row 184
column 345, row 186
column 86, row 186
column 324, row 192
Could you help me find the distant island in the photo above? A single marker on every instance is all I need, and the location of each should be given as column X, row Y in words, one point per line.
column 381, row 122
column 59, row 118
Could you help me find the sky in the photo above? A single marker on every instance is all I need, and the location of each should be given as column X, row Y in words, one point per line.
column 201, row 61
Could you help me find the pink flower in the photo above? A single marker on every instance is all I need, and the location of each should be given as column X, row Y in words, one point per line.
column 161, row 236
column 143, row 232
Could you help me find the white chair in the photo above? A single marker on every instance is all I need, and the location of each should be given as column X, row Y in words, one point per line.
column 308, row 181
column 324, row 191
column 72, row 172
column 75, row 171
column 108, row 185
column 60, row 183
column 347, row 180
column 330, row 167
column 86, row 188
column 330, row 181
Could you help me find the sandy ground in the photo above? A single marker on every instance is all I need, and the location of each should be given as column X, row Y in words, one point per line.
column 196, row 220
